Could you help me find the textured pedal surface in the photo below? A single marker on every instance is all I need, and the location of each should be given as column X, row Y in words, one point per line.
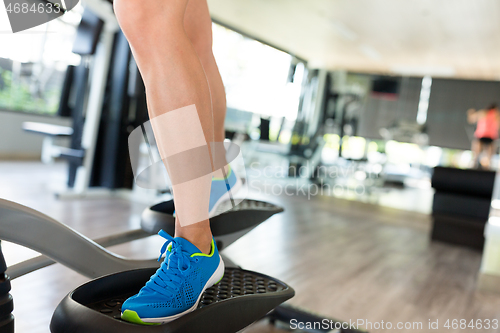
column 235, row 283
column 227, row 207
column 239, row 299
column 245, row 215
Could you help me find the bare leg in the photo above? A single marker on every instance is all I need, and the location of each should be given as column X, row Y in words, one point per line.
column 198, row 25
column 476, row 151
column 490, row 151
column 174, row 78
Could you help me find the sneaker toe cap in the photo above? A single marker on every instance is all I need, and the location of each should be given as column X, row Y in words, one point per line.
column 149, row 307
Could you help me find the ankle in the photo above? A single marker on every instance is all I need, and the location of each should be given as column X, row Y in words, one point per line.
column 202, row 239
column 204, row 245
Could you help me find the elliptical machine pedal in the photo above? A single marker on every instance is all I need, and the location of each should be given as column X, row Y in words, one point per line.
column 240, row 298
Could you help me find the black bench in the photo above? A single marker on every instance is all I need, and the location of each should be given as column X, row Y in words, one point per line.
column 461, row 205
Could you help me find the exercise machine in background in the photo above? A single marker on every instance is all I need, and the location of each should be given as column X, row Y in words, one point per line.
column 105, row 98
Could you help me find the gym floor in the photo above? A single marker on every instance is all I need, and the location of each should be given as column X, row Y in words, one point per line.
column 345, row 259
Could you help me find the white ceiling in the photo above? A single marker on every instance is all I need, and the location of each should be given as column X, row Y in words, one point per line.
column 442, row 38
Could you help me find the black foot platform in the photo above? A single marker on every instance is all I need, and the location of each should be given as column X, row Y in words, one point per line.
column 247, row 214
column 238, row 300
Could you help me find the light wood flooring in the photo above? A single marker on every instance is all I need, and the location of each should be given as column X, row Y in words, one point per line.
column 345, row 259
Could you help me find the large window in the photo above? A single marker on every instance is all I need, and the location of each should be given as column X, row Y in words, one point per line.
column 33, row 63
column 256, row 76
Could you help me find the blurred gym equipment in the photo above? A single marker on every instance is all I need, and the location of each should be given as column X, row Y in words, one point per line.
column 461, row 205
column 105, row 98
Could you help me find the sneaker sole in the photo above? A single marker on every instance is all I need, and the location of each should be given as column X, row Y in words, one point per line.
column 225, row 197
column 133, row 317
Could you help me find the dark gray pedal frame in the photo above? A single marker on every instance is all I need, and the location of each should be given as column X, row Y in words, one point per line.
column 27, row 227
column 15, row 219
column 227, row 227
column 6, row 301
column 89, row 257
column 94, row 306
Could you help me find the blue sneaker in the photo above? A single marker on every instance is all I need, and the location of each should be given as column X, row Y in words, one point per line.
column 176, row 287
column 223, row 189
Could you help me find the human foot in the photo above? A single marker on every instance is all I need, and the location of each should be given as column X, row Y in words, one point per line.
column 176, row 287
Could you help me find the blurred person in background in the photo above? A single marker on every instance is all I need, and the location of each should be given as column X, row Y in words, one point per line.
column 488, row 123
